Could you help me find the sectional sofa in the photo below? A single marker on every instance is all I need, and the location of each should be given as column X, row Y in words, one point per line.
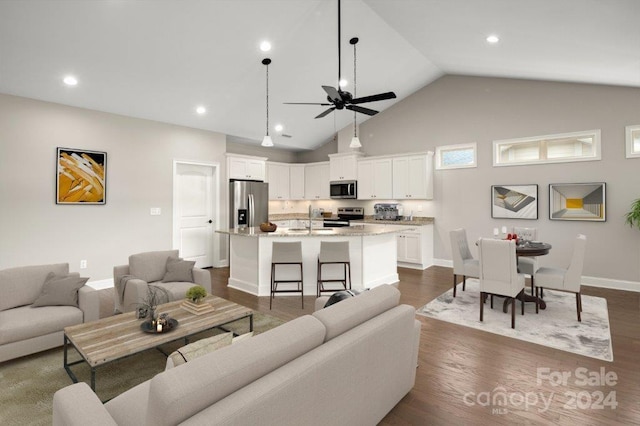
column 347, row 364
column 25, row 329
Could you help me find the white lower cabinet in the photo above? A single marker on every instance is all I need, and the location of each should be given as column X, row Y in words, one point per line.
column 415, row 247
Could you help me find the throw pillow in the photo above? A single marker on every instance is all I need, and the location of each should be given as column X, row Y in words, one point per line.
column 341, row 295
column 242, row 337
column 60, row 290
column 178, row 271
column 197, row 349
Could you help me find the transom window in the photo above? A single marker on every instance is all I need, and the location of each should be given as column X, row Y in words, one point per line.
column 633, row 141
column 456, row 156
column 560, row 148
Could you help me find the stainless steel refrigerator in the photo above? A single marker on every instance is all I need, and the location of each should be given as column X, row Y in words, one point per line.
column 248, row 203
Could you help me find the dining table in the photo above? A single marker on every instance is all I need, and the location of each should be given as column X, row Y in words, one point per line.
column 529, row 249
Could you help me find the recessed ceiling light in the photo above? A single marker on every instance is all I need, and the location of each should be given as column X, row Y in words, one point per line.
column 201, row 110
column 265, row 46
column 70, row 80
column 278, row 127
column 493, row 39
column 343, row 82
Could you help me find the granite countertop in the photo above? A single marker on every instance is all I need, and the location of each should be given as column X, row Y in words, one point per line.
column 347, row 231
column 417, row 221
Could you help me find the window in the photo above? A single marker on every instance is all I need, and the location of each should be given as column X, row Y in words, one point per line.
column 633, row 141
column 456, row 156
column 561, row 148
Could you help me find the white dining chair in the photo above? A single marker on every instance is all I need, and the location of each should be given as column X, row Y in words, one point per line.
column 463, row 262
column 569, row 279
column 499, row 273
column 526, row 264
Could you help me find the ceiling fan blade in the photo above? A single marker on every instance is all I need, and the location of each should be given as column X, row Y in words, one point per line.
column 332, row 92
column 325, row 112
column 361, row 109
column 373, row 98
column 305, row 103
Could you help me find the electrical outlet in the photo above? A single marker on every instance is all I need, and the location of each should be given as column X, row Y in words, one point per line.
column 419, row 207
column 83, row 264
column 155, row 211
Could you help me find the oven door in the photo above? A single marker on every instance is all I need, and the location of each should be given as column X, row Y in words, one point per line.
column 335, row 223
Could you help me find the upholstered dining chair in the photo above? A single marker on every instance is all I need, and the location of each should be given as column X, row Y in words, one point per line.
column 568, row 279
column 499, row 273
column 463, row 262
column 527, row 265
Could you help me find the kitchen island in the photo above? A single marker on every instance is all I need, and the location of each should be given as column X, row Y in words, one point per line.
column 372, row 250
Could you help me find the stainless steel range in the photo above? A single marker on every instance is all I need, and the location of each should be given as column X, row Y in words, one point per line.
column 345, row 215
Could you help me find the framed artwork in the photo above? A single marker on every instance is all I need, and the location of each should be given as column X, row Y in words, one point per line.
column 514, row 201
column 577, row 201
column 81, row 176
column 632, row 141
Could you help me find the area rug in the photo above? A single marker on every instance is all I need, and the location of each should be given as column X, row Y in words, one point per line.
column 28, row 383
column 557, row 326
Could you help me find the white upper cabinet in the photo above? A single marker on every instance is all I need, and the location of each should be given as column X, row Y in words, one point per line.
column 278, row 178
column 245, row 167
column 344, row 166
column 413, row 177
column 375, row 179
column 316, row 181
column 296, row 181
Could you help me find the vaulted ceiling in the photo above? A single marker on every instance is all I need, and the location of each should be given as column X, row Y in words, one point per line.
column 159, row 60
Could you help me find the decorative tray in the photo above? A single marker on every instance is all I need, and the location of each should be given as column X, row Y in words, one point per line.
column 149, row 327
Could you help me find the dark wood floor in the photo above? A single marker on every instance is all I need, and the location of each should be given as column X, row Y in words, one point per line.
column 459, row 366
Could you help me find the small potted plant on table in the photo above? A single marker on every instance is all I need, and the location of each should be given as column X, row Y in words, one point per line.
column 195, row 301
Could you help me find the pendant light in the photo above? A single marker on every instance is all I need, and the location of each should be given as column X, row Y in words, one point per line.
column 355, row 142
column 266, row 141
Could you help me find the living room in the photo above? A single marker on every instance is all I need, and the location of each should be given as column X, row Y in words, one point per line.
column 452, row 109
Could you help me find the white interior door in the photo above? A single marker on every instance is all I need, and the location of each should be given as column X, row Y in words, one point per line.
column 194, row 212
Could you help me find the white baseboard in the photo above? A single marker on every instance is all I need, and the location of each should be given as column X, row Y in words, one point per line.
column 587, row 281
column 101, row 284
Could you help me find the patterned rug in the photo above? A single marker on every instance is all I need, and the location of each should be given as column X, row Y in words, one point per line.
column 556, row 327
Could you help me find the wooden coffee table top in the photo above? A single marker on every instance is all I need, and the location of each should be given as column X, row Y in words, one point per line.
column 108, row 339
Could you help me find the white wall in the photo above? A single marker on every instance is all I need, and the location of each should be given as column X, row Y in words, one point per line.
column 140, row 154
column 457, row 109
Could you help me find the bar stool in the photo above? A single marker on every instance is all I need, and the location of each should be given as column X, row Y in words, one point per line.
column 286, row 254
column 334, row 253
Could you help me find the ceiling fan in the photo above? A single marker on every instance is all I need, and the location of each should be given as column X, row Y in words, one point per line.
column 339, row 99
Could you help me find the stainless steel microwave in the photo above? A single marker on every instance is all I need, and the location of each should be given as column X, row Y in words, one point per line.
column 343, row 189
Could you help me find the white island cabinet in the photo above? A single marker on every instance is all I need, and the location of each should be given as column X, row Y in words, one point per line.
column 372, row 249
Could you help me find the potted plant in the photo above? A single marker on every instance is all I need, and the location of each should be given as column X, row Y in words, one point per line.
column 632, row 218
column 196, row 293
column 155, row 296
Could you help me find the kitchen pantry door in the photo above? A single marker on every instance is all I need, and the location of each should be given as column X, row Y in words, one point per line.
column 194, row 190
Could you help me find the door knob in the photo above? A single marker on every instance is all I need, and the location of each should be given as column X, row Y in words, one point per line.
column 210, row 221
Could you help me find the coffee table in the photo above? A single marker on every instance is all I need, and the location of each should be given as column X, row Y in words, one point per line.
column 109, row 339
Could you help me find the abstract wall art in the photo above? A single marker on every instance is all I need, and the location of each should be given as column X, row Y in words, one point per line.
column 577, row 201
column 514, row 201
column 81, row 176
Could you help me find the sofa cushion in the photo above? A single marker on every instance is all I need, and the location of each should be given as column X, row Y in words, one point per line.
column 174, row 290
column 179, row 270
column 150, row 266
column 179, row 393
column 351, row 312
column 20, row 286
column 60, row 290
column 26, row 322
column 197, row 349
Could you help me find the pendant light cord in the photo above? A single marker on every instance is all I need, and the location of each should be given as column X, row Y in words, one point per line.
column 267, row 99
column 354, row 89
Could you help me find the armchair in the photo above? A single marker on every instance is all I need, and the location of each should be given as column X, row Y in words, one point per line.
column 150, row 268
